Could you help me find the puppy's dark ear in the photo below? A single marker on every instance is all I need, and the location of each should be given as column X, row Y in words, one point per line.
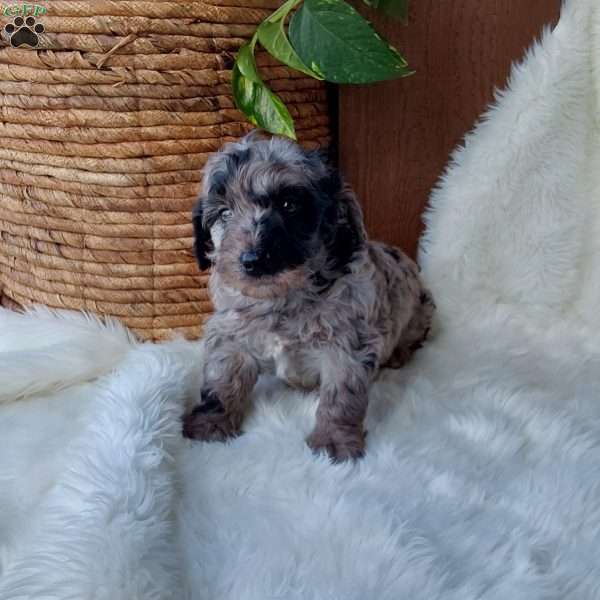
column 326, row 155
column 347, row 232
column 202, row 241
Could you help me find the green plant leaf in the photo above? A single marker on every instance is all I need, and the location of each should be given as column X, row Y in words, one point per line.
column 393, row 8
column 333, row 39
column 260, row 105
column 273, row 38
column 246, row 63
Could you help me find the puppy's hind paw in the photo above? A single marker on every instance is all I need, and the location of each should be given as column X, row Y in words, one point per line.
column 340, row 444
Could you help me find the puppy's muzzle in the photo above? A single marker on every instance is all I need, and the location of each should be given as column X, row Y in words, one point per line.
column 249, row 262
column 254, row 263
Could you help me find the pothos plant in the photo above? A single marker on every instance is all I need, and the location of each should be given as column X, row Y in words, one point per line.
column 325, row 39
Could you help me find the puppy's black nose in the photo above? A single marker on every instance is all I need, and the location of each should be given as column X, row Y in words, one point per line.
column 250, row 262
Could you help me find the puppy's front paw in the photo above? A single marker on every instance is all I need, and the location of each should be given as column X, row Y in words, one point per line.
column 209, row 421
column 340, row 443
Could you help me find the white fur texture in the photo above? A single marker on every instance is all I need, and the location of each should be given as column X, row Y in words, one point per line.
column 481, row 479
column 33, row 350
column 515, row 220
column 87, row 475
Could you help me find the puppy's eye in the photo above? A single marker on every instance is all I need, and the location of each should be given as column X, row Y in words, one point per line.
column 225, row 214
column 290, row 206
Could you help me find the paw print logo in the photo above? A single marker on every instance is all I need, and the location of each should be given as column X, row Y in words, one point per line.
column 24, row 32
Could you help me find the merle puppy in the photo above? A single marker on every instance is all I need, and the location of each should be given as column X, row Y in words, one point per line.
column 298, row 291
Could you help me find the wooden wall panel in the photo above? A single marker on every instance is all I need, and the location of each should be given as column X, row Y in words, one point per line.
column 395, row 137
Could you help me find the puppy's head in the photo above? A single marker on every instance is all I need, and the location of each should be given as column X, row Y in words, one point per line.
column 273, row 217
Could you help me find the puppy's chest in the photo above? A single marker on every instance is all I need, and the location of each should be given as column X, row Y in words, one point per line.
column 288, row 359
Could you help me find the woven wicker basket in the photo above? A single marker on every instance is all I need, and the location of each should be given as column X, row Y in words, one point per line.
column 104, row 128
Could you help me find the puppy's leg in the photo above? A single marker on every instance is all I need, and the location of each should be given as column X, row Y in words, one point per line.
column 342, row 408
column 229, row 377
column 415, row 333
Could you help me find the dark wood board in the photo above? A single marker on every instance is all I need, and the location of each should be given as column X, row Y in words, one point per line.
column 395, row 137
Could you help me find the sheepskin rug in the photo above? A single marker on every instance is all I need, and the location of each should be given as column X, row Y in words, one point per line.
column 482, row 473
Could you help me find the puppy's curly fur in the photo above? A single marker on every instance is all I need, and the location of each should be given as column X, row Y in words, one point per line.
column 298, row 291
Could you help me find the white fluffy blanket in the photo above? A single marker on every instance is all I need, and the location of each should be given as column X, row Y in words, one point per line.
column 481, row 478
